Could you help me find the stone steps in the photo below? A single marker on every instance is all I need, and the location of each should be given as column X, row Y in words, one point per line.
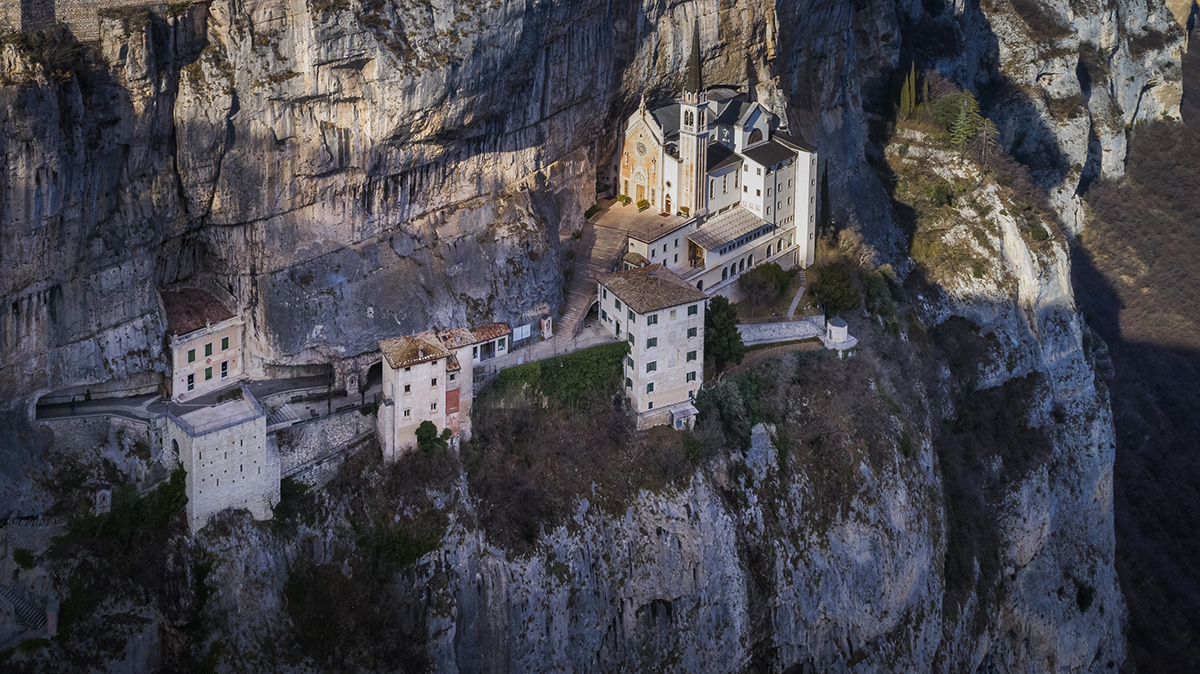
column 24, row 611
column 598, row 252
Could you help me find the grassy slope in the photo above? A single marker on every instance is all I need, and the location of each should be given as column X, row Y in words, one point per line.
column 1137, row 276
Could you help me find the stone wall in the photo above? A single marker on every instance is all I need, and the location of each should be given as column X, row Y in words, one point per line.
column 308, row 442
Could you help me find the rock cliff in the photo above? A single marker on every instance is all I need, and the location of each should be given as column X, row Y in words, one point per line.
column 350, row 171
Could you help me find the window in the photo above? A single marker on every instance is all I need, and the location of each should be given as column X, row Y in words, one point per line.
column 407, row 414
column 652, row 319
column 672, row 314
column 628, row 383
column 224, row 369
column 650, row 406
column 432, row 407
column 691, row 355
column 691, row 332
column 191, row 355
column 653, row 252
column 651, row 343
column 693, row 310
column 745, row 188
column 790, row 182
column 604, row 293
column 745, row 167
column 676, row 258
column 664, row 247
column 768, row 210
column 207, row 373
column 224, row 343
column 433, row 383
column 630, row 337
column 759, row 169
column 768, row 191
column 603, row 315
column 650, row 387
column 712, row 188
column 408, row 369
column 451, row 376
column 652, row 366
column 191, row 382
column 500, row 345
column 208, row 349
column 676, row 243
column 725, row 273
column 758, row 193
column 736, row 179
column 691, row 376
column 629, row 313
column 725, row 184
column 408, row 388
column 629, row 361
column 617, row 304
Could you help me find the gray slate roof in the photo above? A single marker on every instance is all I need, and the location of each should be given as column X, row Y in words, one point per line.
column 769, row 153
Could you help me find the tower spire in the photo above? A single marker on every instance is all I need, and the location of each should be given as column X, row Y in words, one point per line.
column 693, row 74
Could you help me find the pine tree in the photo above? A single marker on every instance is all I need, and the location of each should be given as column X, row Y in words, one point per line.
column 722, row 341
column 966, row 124
column 986, row 138
column 908, row 94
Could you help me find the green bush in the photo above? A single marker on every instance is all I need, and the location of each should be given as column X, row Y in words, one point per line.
column 1038, row 233
column 429, row 440
column 23, row 557
column 834, row 289
column 624, row 199
column 642, row 204
column 764, row 284
column 722, row 341
column 595, row 208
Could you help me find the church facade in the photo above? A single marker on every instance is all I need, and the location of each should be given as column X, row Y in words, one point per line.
column 746, row 190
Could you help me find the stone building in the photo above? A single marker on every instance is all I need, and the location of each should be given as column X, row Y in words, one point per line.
column 747, row 192
column 205, row 340
column 430, row 377
column 82, row 17
column 229, row 463
column 662, row 317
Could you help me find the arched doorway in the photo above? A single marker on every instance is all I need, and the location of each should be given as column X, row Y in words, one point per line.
column 667, row 203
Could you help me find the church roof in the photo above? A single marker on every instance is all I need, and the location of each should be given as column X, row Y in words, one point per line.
column 650, row 288
column 190, row 309
column 769, row 153
column 720, row 156
column 792, row 141
column 726, row 227
column 732, row 112
column 668, row 119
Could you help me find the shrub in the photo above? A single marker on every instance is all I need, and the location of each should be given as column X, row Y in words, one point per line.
column 594, row 209
column 428, row 438
column 23, row 557
column 834, row 288
column 177, row 9
column 722, row 341
column 642, row 204
column 1038, row 233
column 764, row 284
column 624, row 199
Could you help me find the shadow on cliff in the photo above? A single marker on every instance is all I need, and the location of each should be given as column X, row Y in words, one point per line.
column 1135, row 275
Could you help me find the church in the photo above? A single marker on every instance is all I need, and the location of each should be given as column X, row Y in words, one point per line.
column 741, row 191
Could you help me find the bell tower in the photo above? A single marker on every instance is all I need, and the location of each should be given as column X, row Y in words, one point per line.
column 693, row 135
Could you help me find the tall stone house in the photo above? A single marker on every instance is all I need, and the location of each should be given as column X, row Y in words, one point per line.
column 747, row 191
column 430, row 377
column 662, row 317
column 229, row 463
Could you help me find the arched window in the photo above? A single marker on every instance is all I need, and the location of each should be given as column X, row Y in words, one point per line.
column 175, row 447
column 755, row 136
column 750, row 261
column 768, row 250
column 700, row 285
column 725, row 273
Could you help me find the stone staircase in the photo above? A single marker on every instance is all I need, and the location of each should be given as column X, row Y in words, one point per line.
column 24, row 611
column 597, row 252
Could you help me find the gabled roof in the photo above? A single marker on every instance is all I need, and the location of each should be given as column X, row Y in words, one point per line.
column 419, row 348
column 732, row 111
column 650, row 288
column 668, row 119
column 792, row 141
column 769, row 153
column 726, row 227
column 190, row 309
column 720, row 156
column 460, row 337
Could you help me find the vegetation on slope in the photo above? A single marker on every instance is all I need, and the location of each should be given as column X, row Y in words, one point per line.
column 1137, row 270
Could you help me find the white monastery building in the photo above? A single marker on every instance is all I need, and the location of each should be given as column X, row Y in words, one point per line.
column 430, row 377
column 662, row 317
column 205, row 340
column 224, row 450
column 744, row 192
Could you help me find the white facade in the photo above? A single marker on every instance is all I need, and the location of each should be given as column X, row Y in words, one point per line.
column 206, row 359
column 430, row 377
column 665, row 366
column 228, row 461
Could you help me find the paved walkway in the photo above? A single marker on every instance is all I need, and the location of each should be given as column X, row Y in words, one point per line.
column 799, row 293
column 790, row 331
